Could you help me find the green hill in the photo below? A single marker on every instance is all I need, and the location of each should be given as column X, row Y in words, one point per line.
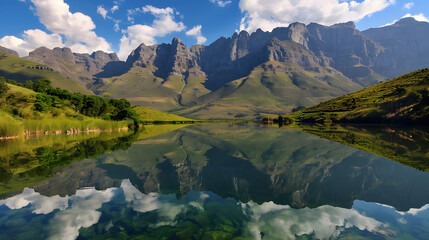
column 24, row 111
column 141, row 87
column 404, row 99
column 22, row 70
column 272, row 87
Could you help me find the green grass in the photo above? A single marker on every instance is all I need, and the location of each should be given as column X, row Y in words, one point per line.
column 404, row 99
column 151, row 115
column 17, row 115
column 10, row 127
column 141, row 87
column 64, row 124
column 13, row 67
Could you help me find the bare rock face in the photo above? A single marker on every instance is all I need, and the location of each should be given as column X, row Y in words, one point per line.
column 8, row 51
column 340, row 46
column 407, row 47
column 169, row 59
column 78, row 67
column 348, row 49
column 292, row 52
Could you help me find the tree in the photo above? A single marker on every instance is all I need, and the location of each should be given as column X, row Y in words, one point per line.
column 42, row 85
column 127, row 113
column 3, row 87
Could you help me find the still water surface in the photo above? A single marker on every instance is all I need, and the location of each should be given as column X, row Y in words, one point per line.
column 218, row 181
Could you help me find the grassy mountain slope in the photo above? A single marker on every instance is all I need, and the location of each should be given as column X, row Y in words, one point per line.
column 18, row 69
column 399, row 100
column 141, row 87
column 272, row 87
column 151, row 115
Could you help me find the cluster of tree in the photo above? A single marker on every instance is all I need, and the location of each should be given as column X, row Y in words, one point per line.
column 3, row 86
column 88, row 105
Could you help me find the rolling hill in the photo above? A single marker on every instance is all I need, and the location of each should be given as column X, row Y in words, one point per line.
column 404, row 99
column 21, row 70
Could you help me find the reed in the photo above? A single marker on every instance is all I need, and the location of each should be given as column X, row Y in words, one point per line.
column 10, row 127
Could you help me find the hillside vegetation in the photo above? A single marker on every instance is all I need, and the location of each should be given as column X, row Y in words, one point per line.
column 38, row 107
column 46, row 109
column 21, row 70
column 404, row 99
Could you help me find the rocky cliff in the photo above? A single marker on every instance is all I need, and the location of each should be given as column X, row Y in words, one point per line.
column 78, row 67
column 407, row 47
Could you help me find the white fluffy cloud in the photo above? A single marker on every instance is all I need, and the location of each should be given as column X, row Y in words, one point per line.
column 270, row 14
column 102, row 11
column 221, row 3
column 76, row 29
column 30, row 40
column 163, row 24
column 196, row 32
column 408, row 5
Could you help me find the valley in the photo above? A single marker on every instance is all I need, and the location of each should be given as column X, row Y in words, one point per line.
column 245, row 76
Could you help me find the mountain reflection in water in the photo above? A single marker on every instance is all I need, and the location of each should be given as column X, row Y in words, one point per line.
column 225, row 181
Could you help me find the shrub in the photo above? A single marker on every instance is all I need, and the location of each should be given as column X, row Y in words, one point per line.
column 3, row 88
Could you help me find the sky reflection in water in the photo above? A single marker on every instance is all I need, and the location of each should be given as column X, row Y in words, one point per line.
column 275, row 184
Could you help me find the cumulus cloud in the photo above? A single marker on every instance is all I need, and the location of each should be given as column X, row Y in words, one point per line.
column 408, row 5
column 102, row 11
column 30, row 40
column 270, row 14
column 221, row 3
column 134, row 35
column 196, row 32
column 74, row 30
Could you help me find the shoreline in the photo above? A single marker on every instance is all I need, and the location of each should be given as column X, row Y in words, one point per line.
column 70, row 131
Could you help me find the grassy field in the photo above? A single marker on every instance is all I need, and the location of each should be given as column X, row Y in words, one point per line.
column 151, row 115
column 404, row 99
column 18, row 69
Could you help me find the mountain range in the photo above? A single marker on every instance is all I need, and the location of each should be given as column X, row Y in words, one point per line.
column 248, row 75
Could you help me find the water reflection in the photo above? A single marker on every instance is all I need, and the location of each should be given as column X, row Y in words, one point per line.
column 286, row 166
column 226, row 181
column 126, row 212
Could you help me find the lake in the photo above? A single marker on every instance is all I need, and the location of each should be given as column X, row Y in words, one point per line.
column 218, row 181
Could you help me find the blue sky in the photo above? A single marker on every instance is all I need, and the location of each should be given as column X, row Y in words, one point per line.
column 121, row 25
